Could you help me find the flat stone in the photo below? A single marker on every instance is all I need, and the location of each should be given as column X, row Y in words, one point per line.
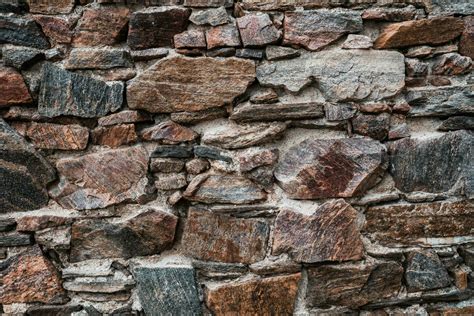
column 315, row 29
column 92, row 181
column 280, row 52
column 179, row 296
column 98, row 58
column 447, row 7
column 425, row 272
column 276, row 295
column 416, row 68
column 255, row 157
column 23, row 32
column 323, row 168
column 257, row 30
column 221, row 52
column 21, row 57
column 330, row 233
column 211, row 17
column 149, row 54
column 7, row 224
column 451, row 64
column 66, row 93
column 31, row 223
column 99, row 286
column 56, row 28
column 172, row 151
column 114, row 136
column 170, row 181
column 374, row 126
column 14, row 89
column 457, row 122
column 52, row 6
column 264, row 95
column 355, row 41
column 339, row 111
column 353, row 285
column 53, row 310
column 15, row 240
column 226, row 35
column 419, row 51
column 190, row 39
column 197, row 166
column 166, row 165
column 340, row 74
column 190, row 84
column 428, row 31
column 466, row 43
column 249, row 53
column 146, row 234
column 196, row 117
column 212, row 153
column 124, row 117
column 412, row 224
column 169, row 132
column 55, row 136
column 286, row 5
column 390, row 14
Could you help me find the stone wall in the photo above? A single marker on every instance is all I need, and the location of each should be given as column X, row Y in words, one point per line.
column 246, row 157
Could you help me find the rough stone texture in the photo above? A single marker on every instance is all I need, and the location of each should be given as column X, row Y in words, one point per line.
column 276, row 296
column 149, row 54
column 31, row 223
column 55, row 136
column 319, row 28
column 466, row 43
column 190, row 39
column 14, row 90
column 447, row 7
column 249, row 112
column 330, row 233
column 58, row 29
column 323, row 168
column 425, row 272
column 189, row 84
column 148, row 233
column 278, row 52
column 81, row 58
column 166, row 165
column 389, row 14
column 218, row 237
column 114, row 136
column 169, row 132
column 257, row 30
column 456, row 123
column 211, row 17
column 51, row 6
column 124, row 117
column 20, row 31
column 451, row 64
column 226, row 35
column 21, row 58
column 374, row 126
column 357, row 42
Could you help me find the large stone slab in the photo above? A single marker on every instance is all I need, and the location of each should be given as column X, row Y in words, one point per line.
column 324, row 168
column 341, row 74
column 14, row 89
column 67, row 93
column 23, row 32
column 101, row 179
column 190, row 84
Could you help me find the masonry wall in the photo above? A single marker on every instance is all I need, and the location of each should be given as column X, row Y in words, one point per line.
column 246, row 157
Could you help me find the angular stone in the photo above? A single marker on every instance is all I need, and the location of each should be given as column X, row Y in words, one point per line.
column 226, row 35
column 7, row 224
column 211, row 17
column 252, row 158
column 221, row 52
column 149, row 54
column 51, row 6
column 416, row 68
column 58, row 29
column 339, row 112
column 197, row 166
column 190, row 84
column 146, row 234
column 66, row 93
column 341, row 74
column 354, row 41
column 216, row 237
column 418, row 32
column 353, row 285
column 206, row 3
column 20, row 57
column 279, row 52
column 169, row 132
column 323, row 168
column 196, row 117
column 315, row 29
column 451, row 64
column 419, row 51
column 55, row 136
column 98, row 58
column 14, row 6
column 265, row 95
column 330, row 233
column 257, row 30
column 466, row 43
column 155, row 27
column 276, row 296
column 14, row 89
column 374, row 126
column 20, row 31
column 171, row 151
column 449, row 7
column 101, row 179
column 457, row 122
column 30, row 277
column 101, row 26
column 124, row 117
column 31, row 223
column 114, row 136
column 211, row 153
column 415, row 166
column 425, row 272
column 412, row 224
column 170, row 181
column 390, row 14
column 190, row 39
column 53, row 310
column 100, row 286
column 249, row 53
column 248, row 112
column 15, row 240
column 166, row 165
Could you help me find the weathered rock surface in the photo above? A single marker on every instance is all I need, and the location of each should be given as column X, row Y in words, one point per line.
column 101, row 179
column 219, row 237
column 145, row 234
column 316, row 29
column 124, row 117
column 170, row 151
column 390, row 14
column 56, row 28
column 14, row 90
column 251, row 158
column 20, row 31
column 447, row 7
column 226, row 35
column 149, row 54
column 115, row 135
column 257, row 30
column 55, row 136
column 340, row 74
column 466, row 43
column 374, row 126
column 354, row 41
column 190, row 39
column 206, row 3
column 15, row 240
column 211, row 17
column 20, row 57
column 425, row 271
column 66, row 93
column 330, row 233
column 98, row 58
column 451, row 64
column 323, row 168
column 456, row 123
column 276, row 296
column 189, row 84
column 52, row 6
column 170, row 181
column 100, row 286
column 169, row 132
column 31, row 223
column 279, row 52
column 248, row 112
column 167, row 165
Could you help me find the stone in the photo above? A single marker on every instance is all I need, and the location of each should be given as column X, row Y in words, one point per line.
column 275, row 265
column 51, row 7
column 24, row 174
column 416, row 167
column 234, row 136
column 58, row 29
column 447, row 7
column 197, row 166
column 420, row 51
column 226, row 35
column 148, row 233
column 249, row 53
column 218, row 237
column 7, row 224
column 55, row 136
column 425, row 272
column 276, row 296
column 279, row 52
column 170, row 181
column 329, row 233
column 23, row 32
column 412, row 224
column 169, row 132
column 57, row 239
column 251, row 158
column 190, row 39
column 179, row 296
column 189, row 84
column 32, row 223
column 30, row 277
column 14, row 89
column 390, row 14
column 14, row 6
column 172, row 151
column 155, row 27
column 212, row 153
column 213, row 17
column 257, row 30
column 221, row 52
column 339, row 112
column 416, row 68
column 315, row 29
column 466, row 43
column 124, row 117
column 115, row 135
column 354, row 41
column 374, row 126
column 149, row 54
column 238, row 190
column 98, row 58
column 101, row 26
column 66, row 93
column 100, row 286
column 353, row 284
column 92, row 181
column 451, row 64
column 432, row 31
column 457, row 122
column 53, row 310
column 341, row 75
column 265, row 95
column 15, row 240
column 324, row 168
column 166, row 165
column 206, row 3
column 21, row 58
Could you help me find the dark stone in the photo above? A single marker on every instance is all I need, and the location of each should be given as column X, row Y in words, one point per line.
column 14, row 6
column 280, row 52
column 15, row 240
column 53, row 310
column 249, row 53
column 21, row 58
column 211, row 153
column 248, row 112
column 66, row 93
column 7, row 224
column 19, row 31
column 456, row 123
column 374, row 126
column 425, row 272
column 172, row 151
column 221, row 52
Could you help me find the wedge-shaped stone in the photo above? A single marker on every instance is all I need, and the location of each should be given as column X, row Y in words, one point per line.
column 190, row 84
column 248, row 112
column 14, row 90
column 20, row 31
column 425, row 271
column 66, row 93
column 324, row 168
column 55, row 136
column 169, row 132
column 341, row 74
column 450, row 7
column 330, row 233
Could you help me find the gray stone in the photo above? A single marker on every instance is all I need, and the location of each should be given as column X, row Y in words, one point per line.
column 7, row 224
column 172, row 151
column 66, row 93
column 457, row 122
column 339, row 111
column 149, row 54
column 354, row 41
column 374, row 126
column 14, row 6
column 15, row 240
column 281, row 52
column 249, row 53
column 98, row 58
column 425, row 272
column 211, row 153
column 212, row 17
column 20, row 31
column 451, row 7
column 257, row 29
column 248, row 112
column 21, row 57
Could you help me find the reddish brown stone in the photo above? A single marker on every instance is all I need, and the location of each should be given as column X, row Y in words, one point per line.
column 124, row 117
column 225, row 35
column 55, row 136
column 266, row 296
column 169, row 132
column 252, row 158
column 29, row 278
column 219, row 237
column 205, row 3
column 51, row 6
column 114, row 136
column 14, row 90
column 390, row 14
column 451, row 64
column 330, row 233
column 58, row 29
column 374, row 126
column 190, row 39
column 257, row 30
column 466, row 44
column 31, row 223
column 418, row 32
